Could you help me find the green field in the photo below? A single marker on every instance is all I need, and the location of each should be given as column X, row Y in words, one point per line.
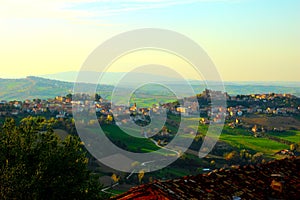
column 236, row 137
column 173, row 172
column 292, row 136
column 133, row 144
column 148, row 102
column 263, row 145
column 243, row 139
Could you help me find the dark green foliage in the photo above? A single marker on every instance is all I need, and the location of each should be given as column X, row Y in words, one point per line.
column 36, row 164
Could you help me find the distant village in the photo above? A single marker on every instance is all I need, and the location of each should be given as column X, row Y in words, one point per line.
column 62, row 107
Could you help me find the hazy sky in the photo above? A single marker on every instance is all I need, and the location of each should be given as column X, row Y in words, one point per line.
column 247, row 39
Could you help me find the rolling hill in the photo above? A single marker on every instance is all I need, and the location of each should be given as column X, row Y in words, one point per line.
column 36, row 87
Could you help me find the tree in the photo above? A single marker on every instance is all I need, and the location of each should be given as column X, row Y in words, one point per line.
column 97, row 97
column 293, row 147
column 141, row 175
column 232, row 157
column 212, row 163
column 115, row 178
column 69, row 96
column 257, row 158
column 36, row 164
column 245, row 156
column 109, row 119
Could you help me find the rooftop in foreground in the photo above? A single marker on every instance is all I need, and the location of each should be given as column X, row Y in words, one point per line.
column 278, row 179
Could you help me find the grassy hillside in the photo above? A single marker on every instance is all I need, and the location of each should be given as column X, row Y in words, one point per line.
column 34, row 87
column 123, row 140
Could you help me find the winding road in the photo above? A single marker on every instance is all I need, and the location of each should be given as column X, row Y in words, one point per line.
column 143, row 164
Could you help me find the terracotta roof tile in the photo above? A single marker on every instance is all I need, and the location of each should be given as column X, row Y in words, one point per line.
column 247, row 182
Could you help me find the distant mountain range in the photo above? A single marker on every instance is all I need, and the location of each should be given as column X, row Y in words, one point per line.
column 112, row 78
column 133, row 79
column 49, row 86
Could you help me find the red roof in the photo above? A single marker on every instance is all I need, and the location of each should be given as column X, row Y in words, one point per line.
column 247, row 182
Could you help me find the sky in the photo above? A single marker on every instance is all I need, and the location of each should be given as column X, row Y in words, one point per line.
column 248, row 40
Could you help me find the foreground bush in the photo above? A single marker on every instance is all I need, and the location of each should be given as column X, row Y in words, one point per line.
column 36, row 164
